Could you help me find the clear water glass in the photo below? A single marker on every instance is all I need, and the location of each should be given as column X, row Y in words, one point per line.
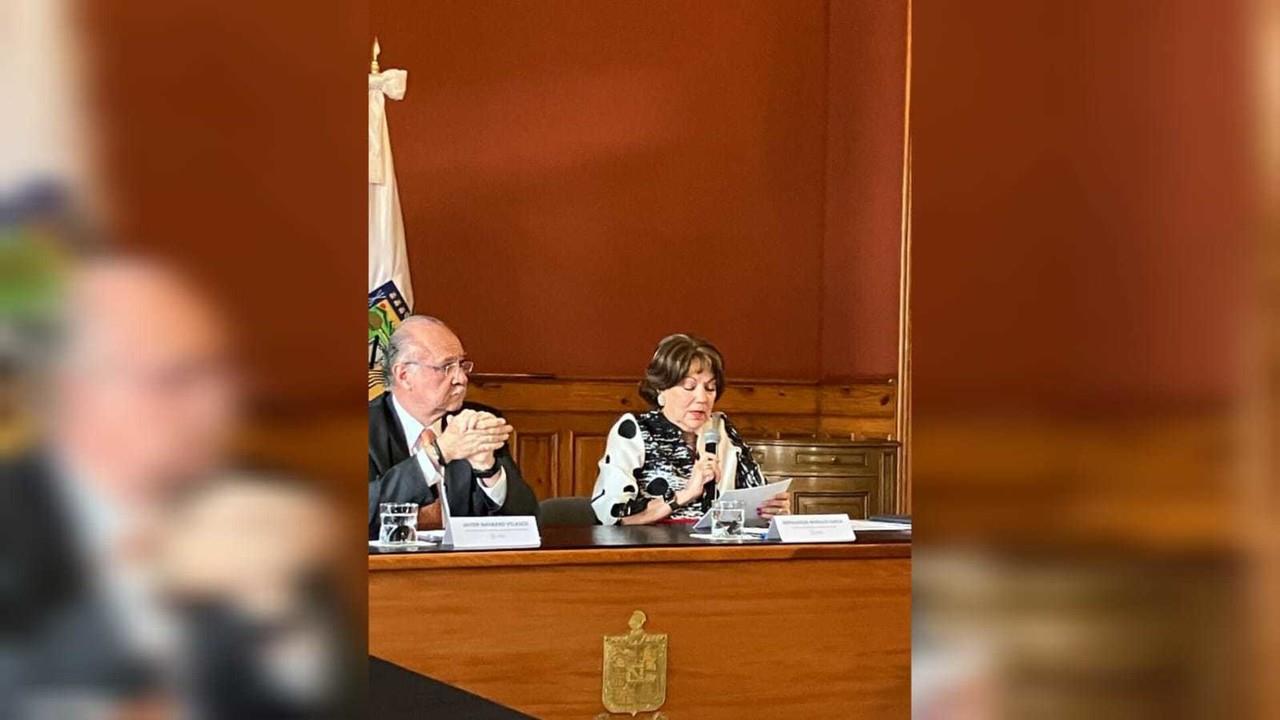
column 727, row 519
column 399, row 523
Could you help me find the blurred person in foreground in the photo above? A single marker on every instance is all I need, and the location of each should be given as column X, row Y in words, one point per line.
column 653, row 469
column 138, row 580
column 423, row 432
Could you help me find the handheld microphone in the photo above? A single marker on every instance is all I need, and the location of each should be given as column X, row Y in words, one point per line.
column 710, row 442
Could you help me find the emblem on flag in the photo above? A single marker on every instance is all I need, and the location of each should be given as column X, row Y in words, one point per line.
column 386, row 309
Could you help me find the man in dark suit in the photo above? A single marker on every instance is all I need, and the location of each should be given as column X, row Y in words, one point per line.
column 127, row 551
column 423, row 433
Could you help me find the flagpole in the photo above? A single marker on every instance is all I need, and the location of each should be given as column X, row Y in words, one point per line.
column 390, row 288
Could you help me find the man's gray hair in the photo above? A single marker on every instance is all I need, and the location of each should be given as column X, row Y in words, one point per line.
column 402, row 347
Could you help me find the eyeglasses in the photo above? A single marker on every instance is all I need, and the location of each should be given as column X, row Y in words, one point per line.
column 450, row 367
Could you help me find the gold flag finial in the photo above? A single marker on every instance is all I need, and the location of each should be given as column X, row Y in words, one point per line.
column 377, row 50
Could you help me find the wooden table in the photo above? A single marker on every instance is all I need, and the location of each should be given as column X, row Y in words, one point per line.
column 754, row 630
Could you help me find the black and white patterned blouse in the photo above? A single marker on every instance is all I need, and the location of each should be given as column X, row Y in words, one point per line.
column 646, row 457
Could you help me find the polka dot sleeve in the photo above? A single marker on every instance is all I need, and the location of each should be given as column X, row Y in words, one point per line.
column 615, row 494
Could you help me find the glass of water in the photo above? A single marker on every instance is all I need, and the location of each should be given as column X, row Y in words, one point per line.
column 399, row 523
column 727, row 518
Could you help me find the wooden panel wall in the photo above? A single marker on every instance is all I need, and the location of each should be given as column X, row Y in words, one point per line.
column 561, row 424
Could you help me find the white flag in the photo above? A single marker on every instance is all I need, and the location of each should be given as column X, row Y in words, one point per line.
column 43, row 140
column 390, row 292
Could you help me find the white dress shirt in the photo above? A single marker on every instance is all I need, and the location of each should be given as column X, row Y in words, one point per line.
column 413, row 429
column 127, row 586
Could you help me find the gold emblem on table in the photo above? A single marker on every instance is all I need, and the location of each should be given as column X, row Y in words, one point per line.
column 635, row 669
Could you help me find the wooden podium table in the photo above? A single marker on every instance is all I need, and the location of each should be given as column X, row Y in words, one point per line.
column 754, row 631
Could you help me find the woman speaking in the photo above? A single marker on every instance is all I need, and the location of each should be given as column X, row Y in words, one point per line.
column 658, row 465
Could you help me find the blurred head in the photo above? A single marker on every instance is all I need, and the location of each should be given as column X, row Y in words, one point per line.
column 684, row 378
column 426, row 368
column 144, row 394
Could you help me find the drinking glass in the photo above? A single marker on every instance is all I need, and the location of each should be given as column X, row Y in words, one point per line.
column 727, row 519
column 399, row 523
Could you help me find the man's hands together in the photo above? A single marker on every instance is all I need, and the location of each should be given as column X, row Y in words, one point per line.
column 474, row 435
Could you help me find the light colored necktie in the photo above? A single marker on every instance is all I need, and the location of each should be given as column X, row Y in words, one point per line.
column 426, row 440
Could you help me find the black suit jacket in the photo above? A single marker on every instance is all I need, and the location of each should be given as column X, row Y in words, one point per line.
column 68, row 641
column 395, row 476
column 48, row 602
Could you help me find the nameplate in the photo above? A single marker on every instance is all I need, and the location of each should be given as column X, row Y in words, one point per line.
column 811, row 528
column 501, row 531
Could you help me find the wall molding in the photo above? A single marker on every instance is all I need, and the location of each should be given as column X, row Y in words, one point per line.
column 561, row 423
column 772, row 407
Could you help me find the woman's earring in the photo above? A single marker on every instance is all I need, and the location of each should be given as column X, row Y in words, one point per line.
column 661, row 402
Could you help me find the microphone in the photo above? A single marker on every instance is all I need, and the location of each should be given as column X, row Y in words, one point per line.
column 710, row 441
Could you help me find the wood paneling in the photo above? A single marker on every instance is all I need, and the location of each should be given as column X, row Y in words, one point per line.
column 587, row 451
column 858, row 478
column 831, row 637
column 560, row 426
column 855, row 505
column 566, row 420
column 862, row 400
column 536, row 453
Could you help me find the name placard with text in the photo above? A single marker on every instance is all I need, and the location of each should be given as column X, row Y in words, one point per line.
column 811, row 529
column 502, row 531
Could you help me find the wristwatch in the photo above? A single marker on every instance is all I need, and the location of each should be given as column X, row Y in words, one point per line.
column 674, row 505
column 488, row 472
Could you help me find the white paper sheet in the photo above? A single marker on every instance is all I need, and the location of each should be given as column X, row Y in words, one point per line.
column 751, row 498
column 859, row 525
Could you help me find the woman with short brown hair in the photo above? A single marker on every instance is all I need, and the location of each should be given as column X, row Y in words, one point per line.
column 652, row 469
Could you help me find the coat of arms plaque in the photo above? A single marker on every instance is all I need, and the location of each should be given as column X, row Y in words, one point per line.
column 635, row 669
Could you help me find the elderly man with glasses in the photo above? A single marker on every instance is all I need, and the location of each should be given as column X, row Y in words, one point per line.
column 422, row 432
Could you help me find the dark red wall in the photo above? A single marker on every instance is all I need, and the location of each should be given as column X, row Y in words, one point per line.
column 581, row 178
column 866, row 68
column 1083, row 174
column 221, row 143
